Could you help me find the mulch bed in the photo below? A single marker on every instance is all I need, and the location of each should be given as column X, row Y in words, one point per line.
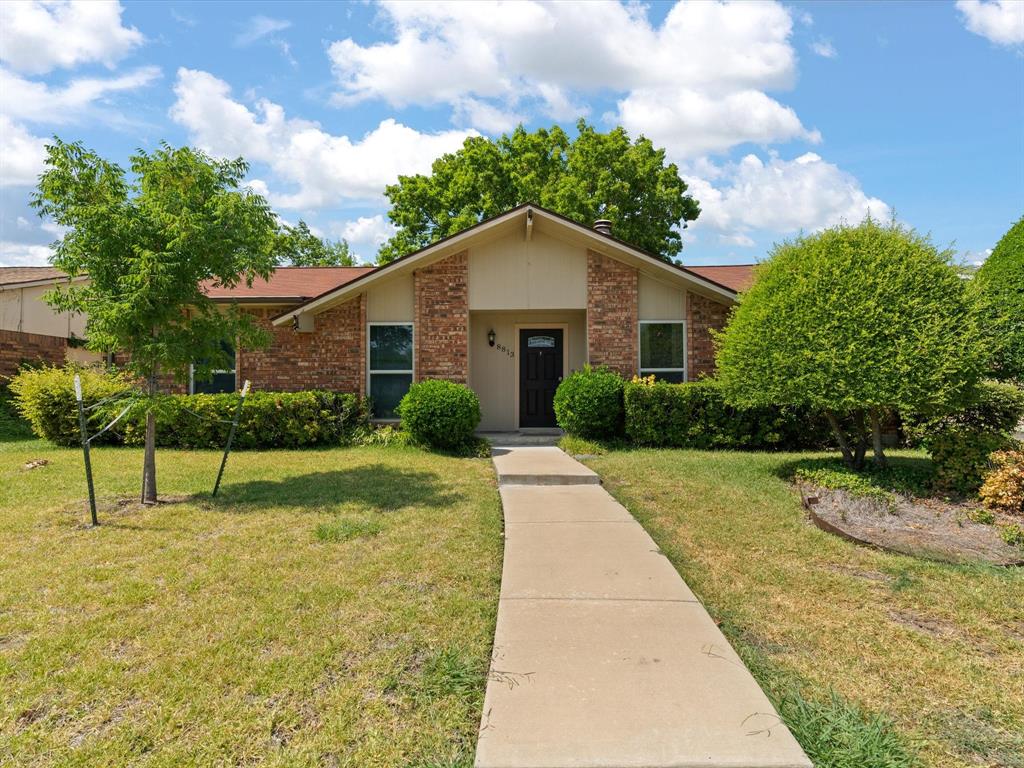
column 932, row 528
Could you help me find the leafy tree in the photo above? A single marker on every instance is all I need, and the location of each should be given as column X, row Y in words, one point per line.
column 147, row 243
column 596, row 175
column 298, row 247
column 999, row 287
column 855, row 321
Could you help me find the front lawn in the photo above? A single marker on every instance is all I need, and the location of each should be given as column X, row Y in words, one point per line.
column 329, row 608
column 938, row 648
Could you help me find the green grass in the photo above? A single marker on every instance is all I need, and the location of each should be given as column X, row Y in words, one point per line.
column 920, row 655
column 330, row 607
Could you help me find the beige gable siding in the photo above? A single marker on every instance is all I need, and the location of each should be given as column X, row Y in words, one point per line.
column 25, row 310
column 512, row 272
column 390, row 301
column 660, row 301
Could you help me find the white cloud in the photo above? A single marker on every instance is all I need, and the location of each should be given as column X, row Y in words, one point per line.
column 694, row 74
column 689, row 123
column 23, row 223
column 782, row 196
column 259, row 27
column 21, row 154
column 1000, row 21
column 366, row 230
column 23, row 254
column 824, row 48
column 324, row 168
column 33, row 100
column 36, row 37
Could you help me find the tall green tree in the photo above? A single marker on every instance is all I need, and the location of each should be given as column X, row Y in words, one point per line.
column 855, row 322
column 999, row 288
column 595, row 175
column 147, row 243
column 298, row 247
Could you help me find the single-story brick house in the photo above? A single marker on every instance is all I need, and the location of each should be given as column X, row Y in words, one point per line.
column 508, row 306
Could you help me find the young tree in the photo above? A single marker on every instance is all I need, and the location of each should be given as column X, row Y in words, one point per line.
column 147, row 243
column 298, row 247
column 999, row 287
column 855, row 321
column 596, row 175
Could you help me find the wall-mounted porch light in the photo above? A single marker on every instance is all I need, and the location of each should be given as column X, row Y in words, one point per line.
column 490, row 338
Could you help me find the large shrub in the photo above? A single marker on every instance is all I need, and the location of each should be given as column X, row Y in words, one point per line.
column 853, row 322
column 697, row 415
column 999, row 287
column 1003, row 488
column 440, row 414
column 588, row 403
column 960, row 442
column 45, row 396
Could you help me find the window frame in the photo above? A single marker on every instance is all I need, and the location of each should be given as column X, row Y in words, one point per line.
column 232, row 371
column 370, row 371
column 640, row 354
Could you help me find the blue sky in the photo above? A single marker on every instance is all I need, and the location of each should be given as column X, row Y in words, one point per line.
column 781, row 116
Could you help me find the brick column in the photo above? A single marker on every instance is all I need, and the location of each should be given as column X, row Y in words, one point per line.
column 702, row 314
column 441, row 294
column 612, row 314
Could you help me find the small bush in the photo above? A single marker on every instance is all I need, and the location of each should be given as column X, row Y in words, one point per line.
column 960, row 443
column 385, row 436
column 1003, row 488
column 856, row 485
column 440, row 414
column 696, row 415
column 45, row 397
column 588, row 403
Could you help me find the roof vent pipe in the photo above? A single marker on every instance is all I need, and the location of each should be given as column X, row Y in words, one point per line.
column 604, row 226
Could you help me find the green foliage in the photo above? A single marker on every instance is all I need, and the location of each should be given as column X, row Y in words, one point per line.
column 1012, row 534
column 697, row 415
column 999, row 287
column 596, row 175
column 961, row 442
column 385, row 435
column 298, row 247
column 440, row 414
column 837, row 733
column 588, row 403
column 1003, row 488
column 344, row 529
column 45, row 397
column 579, row 446
column 12, row 425
column 910, row 477
column 853, row 320
column 856, row 485
column 149, row 244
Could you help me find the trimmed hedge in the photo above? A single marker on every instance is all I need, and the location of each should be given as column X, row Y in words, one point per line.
column 46, row 397
column 588, row 403
column 440, row 414
column 696, row 415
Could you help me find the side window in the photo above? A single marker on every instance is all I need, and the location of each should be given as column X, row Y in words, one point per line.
column 390, row 366
column 663, row 350
column 221, row 380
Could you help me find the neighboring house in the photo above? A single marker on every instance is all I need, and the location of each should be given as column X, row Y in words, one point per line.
column 509, row 307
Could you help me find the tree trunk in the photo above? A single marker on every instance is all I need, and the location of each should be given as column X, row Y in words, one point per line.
column 862, row 441
column 844, row 446
column 876, row 438
column 149, row 460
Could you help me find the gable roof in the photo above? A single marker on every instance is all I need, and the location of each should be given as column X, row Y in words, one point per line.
column 287, row 284
column 601, row 241
column 739, row 277
column 20, row 276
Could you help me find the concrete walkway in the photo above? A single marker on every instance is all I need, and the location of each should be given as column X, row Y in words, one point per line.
column 603, row 657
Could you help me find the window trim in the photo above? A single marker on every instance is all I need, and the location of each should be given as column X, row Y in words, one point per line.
column 369, row 371
column 641, row 371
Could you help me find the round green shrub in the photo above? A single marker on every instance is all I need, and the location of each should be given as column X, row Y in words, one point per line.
column 440, row 414
column 588, row 403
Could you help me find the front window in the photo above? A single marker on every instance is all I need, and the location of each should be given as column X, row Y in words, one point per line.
column 390, row 366
column 220, row 380
column 663, row 350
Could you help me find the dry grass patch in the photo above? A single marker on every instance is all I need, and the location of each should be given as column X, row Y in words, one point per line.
column 330, row 607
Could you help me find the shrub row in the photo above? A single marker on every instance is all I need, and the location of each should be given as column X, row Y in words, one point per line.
column 46, row 398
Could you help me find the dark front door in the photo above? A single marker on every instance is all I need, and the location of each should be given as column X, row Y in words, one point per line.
column 540, row 371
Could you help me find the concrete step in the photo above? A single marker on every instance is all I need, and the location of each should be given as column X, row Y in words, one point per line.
column 540, row 466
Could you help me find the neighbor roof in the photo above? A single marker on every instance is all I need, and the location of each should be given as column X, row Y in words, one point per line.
column 739, row 277
column 288, row 284
column 17, row 275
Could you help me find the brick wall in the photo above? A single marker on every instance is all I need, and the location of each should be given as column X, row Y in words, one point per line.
column 442, row 320
column 702, row 314
column 612, row 314
column 17, row 347
column 333, row 356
